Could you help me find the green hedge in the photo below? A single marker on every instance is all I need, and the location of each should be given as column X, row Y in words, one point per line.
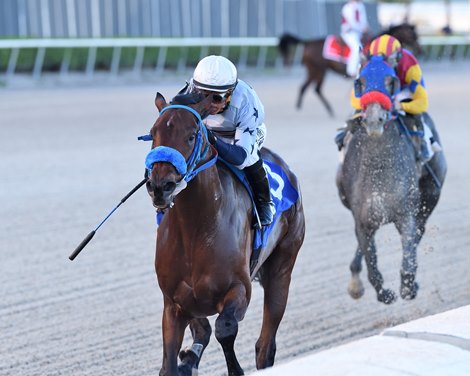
column 78, row 57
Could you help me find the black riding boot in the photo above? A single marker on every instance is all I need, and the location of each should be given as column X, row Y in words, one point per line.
column 259, row 183
column 423, row 152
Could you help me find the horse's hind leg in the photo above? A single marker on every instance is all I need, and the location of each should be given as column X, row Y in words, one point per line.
column 355, row 287
column 226, row 325
column 275, row 277
column 367, row 244
column 190, row 357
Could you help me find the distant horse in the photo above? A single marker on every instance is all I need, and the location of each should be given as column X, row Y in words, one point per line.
column 381, row 182
column 317, row 65
column 205, row 241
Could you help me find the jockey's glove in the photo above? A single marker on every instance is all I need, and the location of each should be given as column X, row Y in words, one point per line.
column 397, row 104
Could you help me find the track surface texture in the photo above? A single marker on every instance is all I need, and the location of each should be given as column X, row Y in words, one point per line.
column 67, row 157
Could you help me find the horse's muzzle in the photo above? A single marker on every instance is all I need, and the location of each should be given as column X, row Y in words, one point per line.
column 161, row 192
column 374, row 129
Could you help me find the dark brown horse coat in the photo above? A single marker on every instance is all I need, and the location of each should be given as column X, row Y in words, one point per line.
column 203, row 251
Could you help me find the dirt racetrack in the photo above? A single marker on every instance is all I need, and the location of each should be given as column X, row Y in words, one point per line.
column 68, row 155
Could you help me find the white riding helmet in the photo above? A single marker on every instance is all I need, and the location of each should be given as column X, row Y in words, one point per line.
column 215, row 73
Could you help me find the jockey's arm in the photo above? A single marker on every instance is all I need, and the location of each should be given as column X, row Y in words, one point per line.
column 233, row 154
column 419, row 97
column 355, row 101
column 246, row 132
column 244, row 142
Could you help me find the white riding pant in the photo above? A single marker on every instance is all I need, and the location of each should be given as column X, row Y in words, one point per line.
column 252, row 153
column 353, row 40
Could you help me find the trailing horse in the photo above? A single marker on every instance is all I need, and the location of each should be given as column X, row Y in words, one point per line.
column 317, row 64
column 381, row 181
column 204, row 245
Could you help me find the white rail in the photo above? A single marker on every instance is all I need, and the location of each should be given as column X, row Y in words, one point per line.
column 435, row 47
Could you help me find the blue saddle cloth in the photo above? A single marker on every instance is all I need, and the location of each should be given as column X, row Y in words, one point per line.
column 284, row 195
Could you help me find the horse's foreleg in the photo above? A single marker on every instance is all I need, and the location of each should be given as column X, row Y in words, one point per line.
column 275, row 277
column 302, row 92
column 367, row 244
column 355, row 287
column 322, row 98
column 190, row 357
column 410, row 238
column 226, row 325
column 173, row 326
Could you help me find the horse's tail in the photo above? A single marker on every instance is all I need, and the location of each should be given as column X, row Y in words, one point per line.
column 285, row 42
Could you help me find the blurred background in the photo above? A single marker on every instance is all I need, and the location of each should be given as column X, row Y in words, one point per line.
column 154, row 36
column 77, row 86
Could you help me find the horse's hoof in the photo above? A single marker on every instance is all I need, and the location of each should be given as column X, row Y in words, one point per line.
column 188, row 365
column 355, row 288
column 386, row 296
column 409, row 292
column 409, row 287
column 186, row 370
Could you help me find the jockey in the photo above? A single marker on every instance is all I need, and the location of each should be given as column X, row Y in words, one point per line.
column 353, row 25
column 235, row 125
column 412, row 100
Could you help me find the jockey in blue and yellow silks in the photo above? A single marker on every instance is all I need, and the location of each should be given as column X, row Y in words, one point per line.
column 407, row 70
column 412, row 99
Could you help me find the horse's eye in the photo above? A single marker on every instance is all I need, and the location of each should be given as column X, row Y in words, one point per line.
column 192, row 138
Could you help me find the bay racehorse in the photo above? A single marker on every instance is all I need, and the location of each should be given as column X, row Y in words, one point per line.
column 381, row 181
column 204, row 242
column 317, row 65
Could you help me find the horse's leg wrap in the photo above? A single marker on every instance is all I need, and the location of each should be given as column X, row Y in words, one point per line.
column 191, row 356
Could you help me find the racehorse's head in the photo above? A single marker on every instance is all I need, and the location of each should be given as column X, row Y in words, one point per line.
column 407, row 35
column 376, row 85
column 179, row 142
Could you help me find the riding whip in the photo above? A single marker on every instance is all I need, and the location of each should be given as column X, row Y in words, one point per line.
column 91, row 234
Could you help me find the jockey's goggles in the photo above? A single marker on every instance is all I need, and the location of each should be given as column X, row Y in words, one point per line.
column 217, row 97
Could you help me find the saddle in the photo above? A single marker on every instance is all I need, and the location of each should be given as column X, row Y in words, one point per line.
column 336, row 49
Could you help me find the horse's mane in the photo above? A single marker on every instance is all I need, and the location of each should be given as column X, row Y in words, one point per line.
column 187, row 99
column 394, row 28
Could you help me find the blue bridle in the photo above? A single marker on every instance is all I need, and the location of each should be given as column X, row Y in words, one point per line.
column 187, row 168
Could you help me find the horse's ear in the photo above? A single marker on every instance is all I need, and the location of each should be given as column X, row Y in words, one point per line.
column 160, row 102
column 204, row 106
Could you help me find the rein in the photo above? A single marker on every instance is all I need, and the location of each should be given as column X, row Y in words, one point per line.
column 187, row 168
